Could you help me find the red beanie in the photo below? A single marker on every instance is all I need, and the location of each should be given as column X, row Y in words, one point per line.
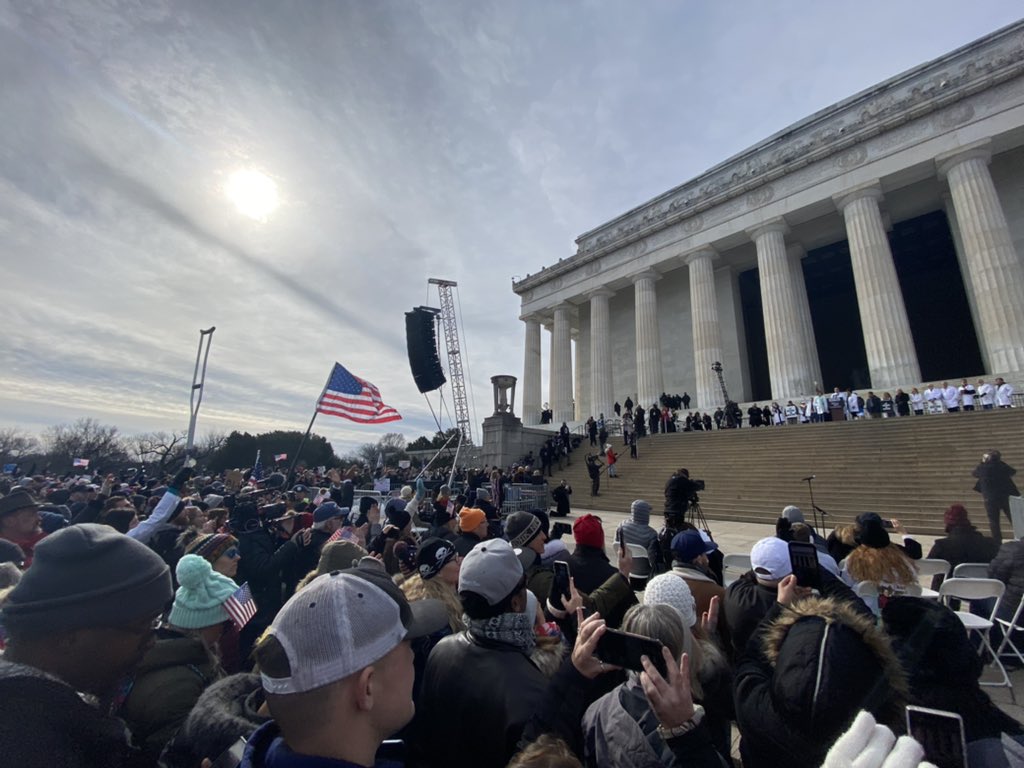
column 588, row 532
column 956, row 515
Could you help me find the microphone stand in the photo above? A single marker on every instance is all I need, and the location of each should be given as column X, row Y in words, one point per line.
column 815, row 509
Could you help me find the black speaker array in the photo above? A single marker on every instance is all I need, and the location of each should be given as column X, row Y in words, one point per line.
column 421, row 339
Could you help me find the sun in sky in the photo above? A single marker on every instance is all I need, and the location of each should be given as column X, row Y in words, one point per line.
column 253, row 193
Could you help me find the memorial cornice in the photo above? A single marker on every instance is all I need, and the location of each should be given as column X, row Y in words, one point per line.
column 834, row 131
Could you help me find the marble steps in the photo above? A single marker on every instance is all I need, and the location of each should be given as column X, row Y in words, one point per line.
column 907, row 468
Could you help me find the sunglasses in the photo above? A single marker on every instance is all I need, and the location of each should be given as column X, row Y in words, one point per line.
column 232, row 553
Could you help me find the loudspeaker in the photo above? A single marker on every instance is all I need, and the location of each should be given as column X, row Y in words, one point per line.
column 421, row 340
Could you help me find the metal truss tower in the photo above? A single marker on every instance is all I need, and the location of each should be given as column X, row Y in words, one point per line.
column 451, row 341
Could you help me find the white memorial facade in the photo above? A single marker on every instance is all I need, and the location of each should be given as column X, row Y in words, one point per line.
column 876, row 244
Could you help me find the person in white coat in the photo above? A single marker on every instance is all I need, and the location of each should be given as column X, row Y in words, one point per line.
column 1004, row 394
column 917, row 402
column 933, row 399
column 987, row 395
column 967, row 392
column 950, row 397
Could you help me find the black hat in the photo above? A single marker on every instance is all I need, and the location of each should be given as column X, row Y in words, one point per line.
column 870, row 531
column 88, row 575
column 433, row 555
column 11, row 553
column 521, row 528
column 397, row 516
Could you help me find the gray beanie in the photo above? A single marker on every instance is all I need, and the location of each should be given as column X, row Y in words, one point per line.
column 793, row 514
column 521, row 528
column 641, row 512
column 88, row 575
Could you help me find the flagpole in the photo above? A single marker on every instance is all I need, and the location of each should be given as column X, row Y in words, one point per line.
column 302, row 443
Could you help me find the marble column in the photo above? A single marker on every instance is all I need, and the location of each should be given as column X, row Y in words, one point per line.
column 796, row 254
column 788, row 365
column 531, row 372
column 648, row 340
column 892, row 357
column 994, row 266
column 577, row 380
column 561, row 365
column 601, row 396
column 707, row 338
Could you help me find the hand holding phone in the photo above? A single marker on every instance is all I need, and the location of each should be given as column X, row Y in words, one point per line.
column 803, row 557
column 559, row 584
column 624, row 649
column 941, row 734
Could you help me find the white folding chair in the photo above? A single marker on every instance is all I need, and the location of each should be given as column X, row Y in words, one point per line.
column 978, row 589
column 734, row 566
column 641, row 570
column 971, row 571
column 868, row 592
column 1009, row 627
column 932, row 566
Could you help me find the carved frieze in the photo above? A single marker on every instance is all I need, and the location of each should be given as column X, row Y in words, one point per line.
column 851, row 158
column 760, row 196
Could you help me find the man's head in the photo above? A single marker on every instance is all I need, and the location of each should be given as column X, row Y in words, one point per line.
column 337, row 666
column 640, row 512
column 523, row 530
column 690, row 547
column 19, row 515
column 588, row 532
column 793, row 514
column 769, row 559
column 472, row 520
column 329, row 517
column 999, row 381
column 492, row 581
column 85, row 610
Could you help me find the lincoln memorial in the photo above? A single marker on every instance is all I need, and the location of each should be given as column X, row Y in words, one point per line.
column 875, row 244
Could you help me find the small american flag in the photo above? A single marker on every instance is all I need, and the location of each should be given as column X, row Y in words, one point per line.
column 280, row 457
column 240, row 606
column 349, row 397
column 257, row 470
column 80, row 463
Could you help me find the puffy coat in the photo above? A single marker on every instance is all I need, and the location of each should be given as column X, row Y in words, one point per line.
column 1008, row 567
column 806, row 673
column 165, row 688
column 476, row 699
column 964, row 544
column 620, row 729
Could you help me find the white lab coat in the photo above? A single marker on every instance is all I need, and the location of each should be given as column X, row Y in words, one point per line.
column 916, row 401
column 967, row 394
column 951, row 397
column 1004, row 395
column 987, row 394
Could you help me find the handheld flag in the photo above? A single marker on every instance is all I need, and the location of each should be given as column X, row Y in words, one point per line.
column 240, row 606
column 349, row 397
column 80, row 463
column 280, row 457
column 257, row 469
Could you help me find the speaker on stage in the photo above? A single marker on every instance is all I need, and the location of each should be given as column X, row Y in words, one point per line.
column 421, row 340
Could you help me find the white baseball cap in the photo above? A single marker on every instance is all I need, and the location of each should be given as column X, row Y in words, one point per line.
column 769, row 559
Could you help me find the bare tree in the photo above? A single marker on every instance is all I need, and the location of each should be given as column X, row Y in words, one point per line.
column 16, row 443
column 159, row 448
column 85, row 439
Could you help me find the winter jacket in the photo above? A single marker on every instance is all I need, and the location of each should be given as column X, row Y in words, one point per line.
column 620, row 729
column 995, row 479
column 590, row 568
column 225, row 711
column 644, row 536
column 1008, row 567
column 165, row 687
column 963, row 544
column 267, row 749
column 44, row 723
column 806, row 672
column 477, row 697
column 704, row 587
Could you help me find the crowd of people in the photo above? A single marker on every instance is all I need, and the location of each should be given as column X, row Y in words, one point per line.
column 184, row 623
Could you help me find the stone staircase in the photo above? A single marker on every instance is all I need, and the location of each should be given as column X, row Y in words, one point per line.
column 909, row 468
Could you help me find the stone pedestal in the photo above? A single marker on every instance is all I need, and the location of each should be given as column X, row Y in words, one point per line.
column 506, row 441
column 993, row 264
column 892, row 358
column 648, row 340
column 531, row 372
column 788, row 365
column 707, row 339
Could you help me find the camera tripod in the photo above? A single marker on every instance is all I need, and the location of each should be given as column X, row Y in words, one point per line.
column 694, row 515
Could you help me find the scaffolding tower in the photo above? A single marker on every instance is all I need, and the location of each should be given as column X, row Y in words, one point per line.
column 451, row 341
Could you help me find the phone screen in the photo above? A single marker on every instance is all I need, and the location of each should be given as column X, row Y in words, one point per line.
column 560, row 584
column 887, row 524
column 803, row 557
column 624, row 650
column 941, row 734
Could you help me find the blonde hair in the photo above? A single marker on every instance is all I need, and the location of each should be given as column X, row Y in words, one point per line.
column 415, row 588
column 888, row 565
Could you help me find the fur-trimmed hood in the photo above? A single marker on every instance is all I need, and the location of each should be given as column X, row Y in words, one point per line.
column 829, row 662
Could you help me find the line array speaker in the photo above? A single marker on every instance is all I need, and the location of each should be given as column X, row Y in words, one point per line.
column 421, row 340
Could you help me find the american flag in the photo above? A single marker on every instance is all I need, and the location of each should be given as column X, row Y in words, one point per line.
column 280, row 457
column 352, row 398
column 240, row 606
column 257, row 469
column 80, row 463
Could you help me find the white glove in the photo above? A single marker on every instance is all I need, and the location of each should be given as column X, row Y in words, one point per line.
column 869, row 745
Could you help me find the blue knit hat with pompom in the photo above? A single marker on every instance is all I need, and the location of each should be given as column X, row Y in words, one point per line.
column 199, row 601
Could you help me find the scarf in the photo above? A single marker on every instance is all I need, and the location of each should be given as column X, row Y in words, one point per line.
column 515, row 629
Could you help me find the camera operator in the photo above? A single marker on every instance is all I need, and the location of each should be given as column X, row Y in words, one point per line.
column 266, row 551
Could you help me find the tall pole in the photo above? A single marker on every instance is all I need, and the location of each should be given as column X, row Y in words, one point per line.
column 302, row 443
column 198, row 382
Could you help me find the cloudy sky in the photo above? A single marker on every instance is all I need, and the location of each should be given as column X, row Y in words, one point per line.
column 466, row 139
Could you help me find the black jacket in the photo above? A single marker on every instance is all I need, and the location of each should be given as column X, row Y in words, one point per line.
column 995, row 479
column 590, row 568
column 476, row 699
column 1008, row 567
column 965, row 544
column 561, row 496
column 464, row 542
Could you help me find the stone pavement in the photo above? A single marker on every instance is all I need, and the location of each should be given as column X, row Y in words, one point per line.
column 735, row 537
